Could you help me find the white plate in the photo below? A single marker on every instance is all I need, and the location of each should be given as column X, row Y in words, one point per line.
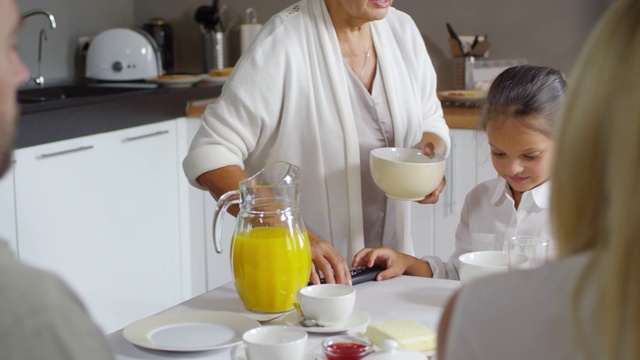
column 176, row 80
column 189, row 330
column 463, row 95
column 214, row 80
column 306, row 357
column 357, row 318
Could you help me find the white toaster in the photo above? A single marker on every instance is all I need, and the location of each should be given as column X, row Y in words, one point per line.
column 123, row 54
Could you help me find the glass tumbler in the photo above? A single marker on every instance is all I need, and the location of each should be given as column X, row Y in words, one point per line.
column 527, row 252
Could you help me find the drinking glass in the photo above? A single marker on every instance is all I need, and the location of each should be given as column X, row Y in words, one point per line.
column 527, row 252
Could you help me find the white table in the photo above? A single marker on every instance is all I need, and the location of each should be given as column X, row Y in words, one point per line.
column 404, row 297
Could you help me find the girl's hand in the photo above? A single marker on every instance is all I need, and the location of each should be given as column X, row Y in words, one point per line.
column 391, row 260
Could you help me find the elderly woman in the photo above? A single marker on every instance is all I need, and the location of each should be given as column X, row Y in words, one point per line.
column 324, row 83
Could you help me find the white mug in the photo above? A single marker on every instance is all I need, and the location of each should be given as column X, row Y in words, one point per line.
column 328, row 304
column 272, row 342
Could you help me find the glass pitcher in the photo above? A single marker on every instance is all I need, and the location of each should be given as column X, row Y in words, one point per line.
column 270, row 251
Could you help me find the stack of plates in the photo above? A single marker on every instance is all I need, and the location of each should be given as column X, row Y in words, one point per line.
column 463, row 95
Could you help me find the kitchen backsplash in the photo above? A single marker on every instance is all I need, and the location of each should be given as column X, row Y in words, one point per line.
column 548, row 32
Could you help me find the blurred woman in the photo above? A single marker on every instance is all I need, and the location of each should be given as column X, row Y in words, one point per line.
column 587, row 304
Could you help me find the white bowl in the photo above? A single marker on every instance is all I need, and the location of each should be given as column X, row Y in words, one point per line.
column 406, row 173
column 478, row 264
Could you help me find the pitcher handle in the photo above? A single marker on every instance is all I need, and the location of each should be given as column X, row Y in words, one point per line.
column 226, row 200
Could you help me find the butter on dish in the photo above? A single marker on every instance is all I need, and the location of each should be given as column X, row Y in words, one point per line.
column 407, row 334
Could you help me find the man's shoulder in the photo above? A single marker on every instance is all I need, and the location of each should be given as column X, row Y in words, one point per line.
column 25, row 290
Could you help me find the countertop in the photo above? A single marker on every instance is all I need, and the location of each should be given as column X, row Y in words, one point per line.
column 48, row 122
column 461, row 117
column 456, row 117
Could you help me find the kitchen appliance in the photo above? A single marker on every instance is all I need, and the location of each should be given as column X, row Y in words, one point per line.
column 162, row 32
column 123, row 54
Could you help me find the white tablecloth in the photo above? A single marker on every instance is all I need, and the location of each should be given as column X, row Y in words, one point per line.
column 404, row 297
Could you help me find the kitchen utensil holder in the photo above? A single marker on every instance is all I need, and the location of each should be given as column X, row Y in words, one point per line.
column 214, row 50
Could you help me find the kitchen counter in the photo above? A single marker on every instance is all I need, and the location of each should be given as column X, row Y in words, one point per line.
column 47, row 122
column 461, row 117
column 456, row 117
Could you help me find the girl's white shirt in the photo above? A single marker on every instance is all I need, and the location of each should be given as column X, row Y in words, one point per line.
column 489, row 218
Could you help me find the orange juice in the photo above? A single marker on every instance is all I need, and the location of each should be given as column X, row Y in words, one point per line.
column 270, row 264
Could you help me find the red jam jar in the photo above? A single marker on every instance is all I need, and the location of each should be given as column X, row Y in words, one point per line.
column 346, row 347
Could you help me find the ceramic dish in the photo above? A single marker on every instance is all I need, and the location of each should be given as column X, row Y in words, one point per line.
column 213, row 80
column 176, row 80
column 463, row 95
column 189, row 330
column 357, row 319
column 306, row 357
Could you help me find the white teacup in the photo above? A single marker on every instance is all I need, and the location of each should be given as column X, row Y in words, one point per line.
column 273, row 342
column 328, row 304
column 482, row 263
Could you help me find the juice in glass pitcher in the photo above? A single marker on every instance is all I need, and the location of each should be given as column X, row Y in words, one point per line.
column 270, row 250
column 267, row 259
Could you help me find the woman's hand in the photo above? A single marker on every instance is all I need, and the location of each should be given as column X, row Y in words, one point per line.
column 326, row 259
column 428, row 149
column 435, row 195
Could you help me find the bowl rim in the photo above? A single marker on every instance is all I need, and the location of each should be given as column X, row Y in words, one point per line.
column 378, row 153
column 463, row 258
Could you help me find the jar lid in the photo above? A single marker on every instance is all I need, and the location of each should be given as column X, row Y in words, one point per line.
column 390, row 351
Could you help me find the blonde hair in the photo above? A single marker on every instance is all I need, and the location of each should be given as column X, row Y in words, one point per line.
column 596, row 189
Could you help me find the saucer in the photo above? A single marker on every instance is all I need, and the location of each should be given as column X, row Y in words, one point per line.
column 357, row 318
column 306, row 357
column 175, row 81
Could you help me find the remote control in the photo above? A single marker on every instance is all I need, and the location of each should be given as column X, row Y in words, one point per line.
column 361, row 275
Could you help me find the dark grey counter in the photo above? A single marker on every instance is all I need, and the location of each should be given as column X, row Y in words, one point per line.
column 45, row 123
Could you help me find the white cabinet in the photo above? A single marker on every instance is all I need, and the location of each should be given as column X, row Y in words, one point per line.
column 214, row 268
column 468, row 164
column 102, row 212
column 8, row 210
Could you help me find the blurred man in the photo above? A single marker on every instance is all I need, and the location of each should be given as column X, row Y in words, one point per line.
column 40, row 318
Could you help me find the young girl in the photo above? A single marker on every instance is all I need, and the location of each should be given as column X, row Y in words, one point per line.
column 519, row 117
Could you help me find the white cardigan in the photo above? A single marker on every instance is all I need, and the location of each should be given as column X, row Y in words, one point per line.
column 287, row 100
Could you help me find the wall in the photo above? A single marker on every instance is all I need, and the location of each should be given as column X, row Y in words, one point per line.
column 75, row 18
column 549, row 32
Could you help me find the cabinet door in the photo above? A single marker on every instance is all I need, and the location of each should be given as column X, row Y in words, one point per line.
column 461, row 178
column 192, row 219
column 102, row 212
column 208, row 268
column 484, row 166
column 8, row 210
